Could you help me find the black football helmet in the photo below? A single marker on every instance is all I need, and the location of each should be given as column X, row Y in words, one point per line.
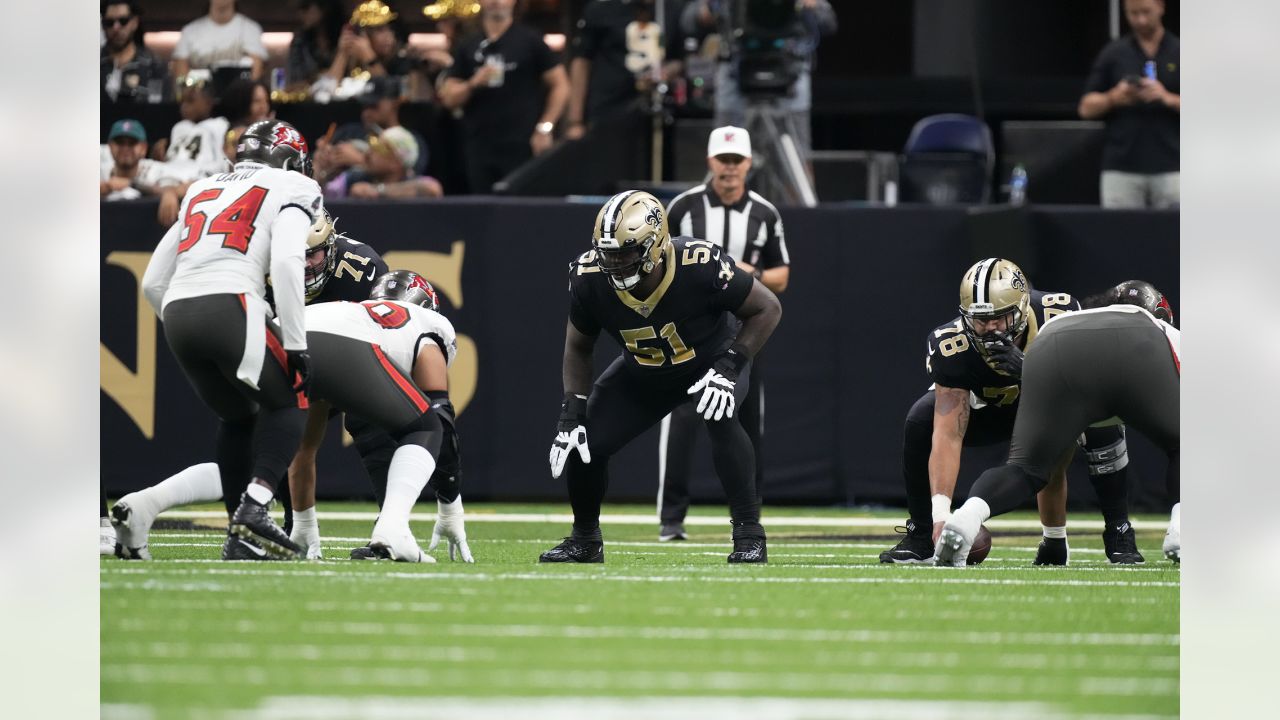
column 405, row 286
column 1144, row 295
column 275, row 143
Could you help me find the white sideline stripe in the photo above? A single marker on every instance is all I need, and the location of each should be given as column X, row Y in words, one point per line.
column 922, row 576
column 404, row 630
column 636, row 708
column 631, row 519
column 670, row 681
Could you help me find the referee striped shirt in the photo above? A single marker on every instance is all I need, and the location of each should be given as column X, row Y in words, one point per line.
column 750, row 230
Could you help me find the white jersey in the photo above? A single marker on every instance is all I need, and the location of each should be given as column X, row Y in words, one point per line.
column 152, row 176
column 233, row 230
column 225, row 246
column 399, row 328
column 198, row 145
column 1172, row 333
column 207, row 44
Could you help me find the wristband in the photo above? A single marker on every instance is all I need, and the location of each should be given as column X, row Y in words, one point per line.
column 941, row 508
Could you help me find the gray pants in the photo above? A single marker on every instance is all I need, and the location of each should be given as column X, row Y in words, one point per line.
column 1136, row 190
column 1088, row 368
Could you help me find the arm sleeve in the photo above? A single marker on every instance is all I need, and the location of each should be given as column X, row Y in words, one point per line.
column 251, row 40
column 464, row 65
column 730, row 284
column 183, row 49
column 1100, row 79
column 578, row 313
column 288, row 240
column 585, row 42
column 155, row 281
column 774, row 253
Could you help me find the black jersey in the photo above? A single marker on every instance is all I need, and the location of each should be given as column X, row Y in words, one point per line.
column 686, row 318
column 356, row 266
column 952, row 360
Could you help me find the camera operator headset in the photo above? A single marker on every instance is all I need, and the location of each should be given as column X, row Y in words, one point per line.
column 813, row 18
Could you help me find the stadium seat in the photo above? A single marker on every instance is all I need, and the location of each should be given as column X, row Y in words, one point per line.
column 947, row 159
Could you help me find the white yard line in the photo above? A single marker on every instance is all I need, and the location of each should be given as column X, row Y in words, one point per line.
column 632, row 519
column 631, row 708
column 923, row 575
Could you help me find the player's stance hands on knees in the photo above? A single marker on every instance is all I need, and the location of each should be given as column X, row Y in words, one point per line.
column 571, row 432
column 718, row 384
column 450, row 527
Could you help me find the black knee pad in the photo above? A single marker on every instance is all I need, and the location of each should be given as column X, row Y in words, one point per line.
column 1105, row 449
column 427, row 422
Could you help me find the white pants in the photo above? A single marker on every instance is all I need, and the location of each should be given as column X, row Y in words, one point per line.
column 1136, row 190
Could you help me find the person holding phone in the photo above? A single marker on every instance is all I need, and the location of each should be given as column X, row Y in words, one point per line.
column 1135, row 88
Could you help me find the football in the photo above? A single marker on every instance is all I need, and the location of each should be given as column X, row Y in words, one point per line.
column 981, row 546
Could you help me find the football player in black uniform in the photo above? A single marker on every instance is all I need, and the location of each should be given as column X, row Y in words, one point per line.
column 669, row 303
column 337, row 268
column 975, row 363
column 1098, row 366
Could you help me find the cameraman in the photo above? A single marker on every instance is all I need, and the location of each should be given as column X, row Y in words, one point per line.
column 813, row 19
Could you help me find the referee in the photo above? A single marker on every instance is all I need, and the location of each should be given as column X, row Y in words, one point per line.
column 748, row 228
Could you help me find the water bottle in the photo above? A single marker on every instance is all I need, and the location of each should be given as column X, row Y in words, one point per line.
column 1018, row 185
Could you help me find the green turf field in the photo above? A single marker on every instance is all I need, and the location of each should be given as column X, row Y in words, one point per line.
column 662, row 630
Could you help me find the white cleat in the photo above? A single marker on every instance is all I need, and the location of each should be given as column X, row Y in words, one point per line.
column 1173, row 536
column 132, row 526
column 400, row 544
column 106, row 538
column 952, row 549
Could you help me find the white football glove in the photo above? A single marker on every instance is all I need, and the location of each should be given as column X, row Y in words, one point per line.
column 450, row 527
column 564, row 444
column 308, row 536
column 717, row 395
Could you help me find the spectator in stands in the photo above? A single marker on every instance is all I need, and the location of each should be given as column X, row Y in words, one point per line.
column 130, row 72
column 246, row 101
column 221, row 38
column 171, row 196
column 1135, row 87
column 315, row 44
column 349, row 144
column 372, row 43
column 387, row 171
column 131, row 174
column 615, row 50
column 814, row 18
column 194, row 148
column 511, row 89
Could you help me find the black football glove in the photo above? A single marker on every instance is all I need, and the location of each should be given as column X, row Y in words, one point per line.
column 571, row 432
column 299, row 370
column 1005, row 355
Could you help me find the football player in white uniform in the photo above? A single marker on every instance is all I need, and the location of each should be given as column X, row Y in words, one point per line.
column 386, row 360
column 207, row 279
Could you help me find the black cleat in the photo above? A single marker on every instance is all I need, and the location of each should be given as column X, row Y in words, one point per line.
column 369, row 552
column 252, row 521
column 1122, row 545
column 749, row 550
column 575, row 550
column 238, row 548
column 672, row 531
column 915, row 547
column 1052, row 551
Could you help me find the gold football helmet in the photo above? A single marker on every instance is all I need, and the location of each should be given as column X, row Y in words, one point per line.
column 323, row 237
column 630, row 236
column 991, row 289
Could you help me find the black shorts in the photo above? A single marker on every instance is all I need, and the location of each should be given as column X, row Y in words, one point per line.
column 625, row 401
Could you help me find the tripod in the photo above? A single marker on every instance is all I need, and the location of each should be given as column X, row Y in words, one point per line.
column 779, row 162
